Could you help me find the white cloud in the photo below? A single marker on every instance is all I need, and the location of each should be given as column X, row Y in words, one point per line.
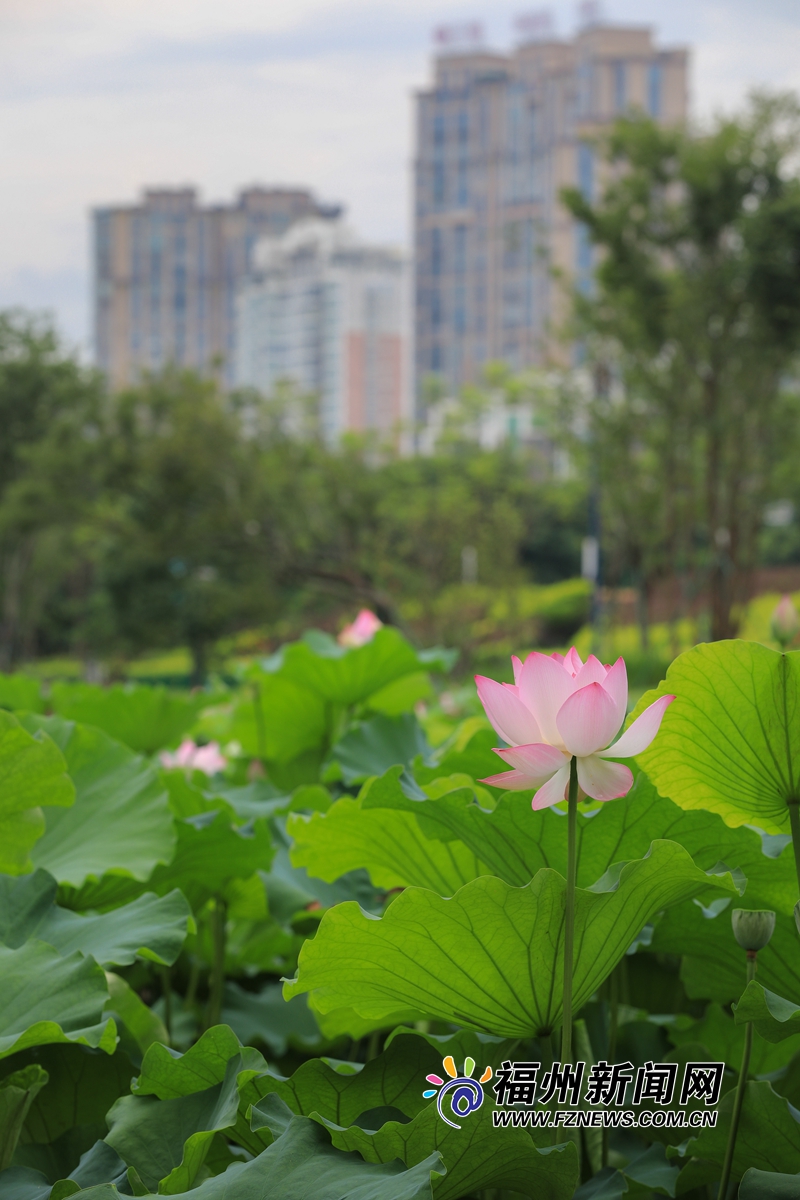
column 99, row 98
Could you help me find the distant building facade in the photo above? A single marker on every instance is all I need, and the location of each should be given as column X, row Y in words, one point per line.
column 331, row 314
column 497, row 137
column 167, row 272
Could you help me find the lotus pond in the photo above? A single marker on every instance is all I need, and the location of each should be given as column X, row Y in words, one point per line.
column 283, row 940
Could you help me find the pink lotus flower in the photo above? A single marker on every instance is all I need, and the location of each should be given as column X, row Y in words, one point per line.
column 363, row 629
column 559, row 707
column 785, row 622
column 192, row 757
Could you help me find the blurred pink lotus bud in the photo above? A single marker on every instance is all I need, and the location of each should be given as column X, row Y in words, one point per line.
column 558, row 708
column 363, row 629
column 785, row 622
column 192, row 757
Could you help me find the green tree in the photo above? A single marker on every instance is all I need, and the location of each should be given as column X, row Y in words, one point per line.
column 175, row 536
column 51, row 413
column 695, row 316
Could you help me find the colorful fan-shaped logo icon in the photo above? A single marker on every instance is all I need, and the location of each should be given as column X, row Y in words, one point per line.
column 464, row 1093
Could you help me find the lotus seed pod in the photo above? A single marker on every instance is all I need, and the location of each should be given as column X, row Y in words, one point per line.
column 752, row 930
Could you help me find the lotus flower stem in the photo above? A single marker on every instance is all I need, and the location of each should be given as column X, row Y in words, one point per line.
column 569, row 919
column 219, row 918
column 794, row 821
column 740, row 1090
column 261, row 733
column 569, row 911
column 613, row 1025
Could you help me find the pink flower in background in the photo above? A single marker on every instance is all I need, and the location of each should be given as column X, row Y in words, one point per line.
column 192, row 757
column 363, row 629
column 785, row 622
column 559, row 707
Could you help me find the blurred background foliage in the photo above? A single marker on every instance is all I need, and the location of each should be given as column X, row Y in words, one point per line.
column 163, row 531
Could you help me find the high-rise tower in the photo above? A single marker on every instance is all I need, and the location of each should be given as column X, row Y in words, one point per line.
column 167, row 272
column 498, row 136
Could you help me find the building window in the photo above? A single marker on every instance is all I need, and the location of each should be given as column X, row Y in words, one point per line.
column 460, row 249
column 460, row 310
column 438, row 183
column 436, row 252
column 620, row 87
column 462, row 188
column 438, row 132
column 585, row 88
column 463, row 128
column 585, row 170
column 654, row 90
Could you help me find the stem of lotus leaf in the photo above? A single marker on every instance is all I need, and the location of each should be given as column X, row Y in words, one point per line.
column 258, row 713
column 613, row 1024
column 740, row 1091
column 794, row 821
column 219, row 920
column 166, row 992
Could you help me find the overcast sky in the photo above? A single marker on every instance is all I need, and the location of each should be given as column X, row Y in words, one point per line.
column 101, row 97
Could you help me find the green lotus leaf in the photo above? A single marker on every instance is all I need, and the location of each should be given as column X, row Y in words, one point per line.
column 141, row 1022
column 144, row 718
column 342, row 1092
column 489, row 958
column 211, row 853
column 769, row 1185
column 217, row 1057
column 17, row 1093
column 402, row 695
column 50, row 998
column 278, row 720
column 168, row 1075
column 442, row 843
column 389, row 842
column 475, row 757
column 120, row 821
column 346, row 1022
column 33, row 773
column 713, row 966
column 99, row 1164
column 348, row 676
column 166, row 1141
column 768, row 1137
column 724, row 1040
column 83, row 1084
column 302, row 1162
column 151, row 927
column 265, row 1017
column 730, row 742
column 476, row 1156
column 21, row 692
column 212, row 856
column 375, row 745
column 773, row 1017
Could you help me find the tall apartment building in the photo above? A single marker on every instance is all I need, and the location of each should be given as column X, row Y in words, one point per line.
column 498, row 136
column 167, row 272
column 330, row 313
